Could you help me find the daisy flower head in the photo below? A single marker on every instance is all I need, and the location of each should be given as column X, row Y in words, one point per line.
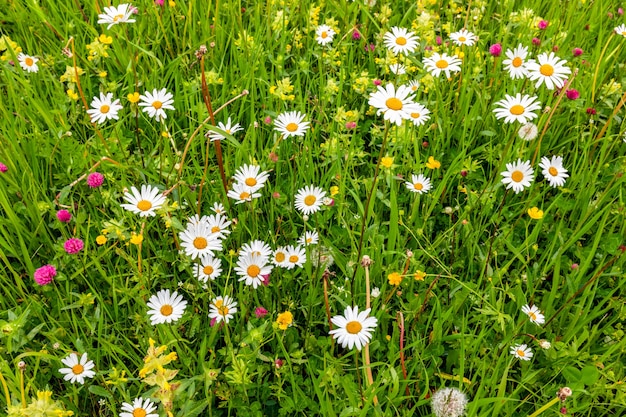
column 621, row 30
column 222, row 309
column 517, row 109
column 166, row 307
column 310, row 237
column 242, row 193
column 229, row 128
column 296, row 256
column 522, row 352
column 198, row 240
column 27, row 62
column 104, row 108
column 463, row 37
column 413, row 85
column 156, row 102
column 354, row 329
column 397, row 69
column 515, row 61
column 218, row 224
column 251, row 268
column 279, row 257
column 419, row 115
column 548, row 69
column 418, row 184
column 115, row 15
column 218, row 208
column 400, row 40
column 552, row 169
column 144, row 202
column 77, row 369
column 534, row 314
column 529, row 131
column 396, row 105
column 324, row 34
column 518, row 175
column 209, row 268
column 251, row 176
column 439, row 63
column 256, row 247
column 291, row 124
column 309, row 199
column 139, row 407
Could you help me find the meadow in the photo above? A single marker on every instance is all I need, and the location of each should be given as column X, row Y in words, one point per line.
column 300, row 208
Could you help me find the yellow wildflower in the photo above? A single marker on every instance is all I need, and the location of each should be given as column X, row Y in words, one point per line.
column 419, row 275
column 107, row 40
column 71, row 74
column 133, row 97
column 334, row 190
column 284, row 320
column 136, row 239
column 386, row 161
column 394, row 278
column 72, row 94
column 433, row 163
column 535, row 213
column 101, row 240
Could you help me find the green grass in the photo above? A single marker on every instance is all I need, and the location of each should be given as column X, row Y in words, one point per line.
column 483, row 256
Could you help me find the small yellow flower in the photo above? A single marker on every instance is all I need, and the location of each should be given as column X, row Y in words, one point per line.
column 386, row 161
column 394, row 278
column 133, row 97
column 107, row 40
column 334, row 190
column 102, row 74
column 419, row 275
column 72, row 94
column 172, row 3
column 284, row 320
column 136, row 239
column 101, row 240
column 535, row 213
column 433, row 163
column 388, row 337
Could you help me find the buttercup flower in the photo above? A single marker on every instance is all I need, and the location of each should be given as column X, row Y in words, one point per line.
column 522, row 352
column 139, row 407
column 156, row 102
column 308, row 200
column 222, row 309
column 291, row 124
column 104, row 108
column 518, row 175
column 27, row 62
column 439, row 63
column 463, row 37
column 400, row 40
column 418, row 184
column 517, row 109
column 354, row 329
column 166, row 307
column 324, row 34
column 228, row 128
column 548, row 69
column 553, row 171
column 115, row 15
column 534, row 314
column 515, row 61
column 45, row 274
column 145, row 202
column 284, row 320
column 77, row 369
column 396, row 105
column 535, row 213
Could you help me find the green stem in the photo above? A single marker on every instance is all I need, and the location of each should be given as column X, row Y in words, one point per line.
column 545, row 407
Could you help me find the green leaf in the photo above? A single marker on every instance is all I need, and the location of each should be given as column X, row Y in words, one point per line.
column 99, row 391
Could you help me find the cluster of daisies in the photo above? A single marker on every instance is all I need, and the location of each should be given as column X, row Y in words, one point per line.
column 520, row 174
column 153, row 103
column 523, row 351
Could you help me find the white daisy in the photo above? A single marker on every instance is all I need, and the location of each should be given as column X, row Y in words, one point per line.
column 145, row 202
column 420, row 115
column 395, row 105
column 27, row 62
column 156, row 103
column 251, row 268
column 77, row 369
column 621, row 30
column 256, row 247
column 517, row 109
column 324, row 34
column 296, row 256
column 115, row 15
column 413, row 85
column 222, row 309
column 534, row 314
column 291, row 124
column 217, row 224
column 400, row 40
column 198, row 240
column 209, row 268
column 251, row 176
column 437, row 64
column 528, row 131
column 354, row 328
column 310, row 237
column 397, row 69
column 418, row 184
column 242, row 193
column 139, row 407
column 228, row 128
column 218, row 208
column 515, row 62
column 553, row 171
column 166, row 307
column 308, row 200
column 548, row 69
column 104, row 108
column 518, row 175
column 522, row 352
column 279, row 257
column 463, row 37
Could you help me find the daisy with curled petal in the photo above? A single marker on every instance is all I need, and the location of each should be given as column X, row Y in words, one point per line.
column 251, row 268
column 438, row 63
column 145, row 202
column 310, row 237
column 296, row 256
column 222, row 309
column 354, row 329
column 217, row 224
column 209, row 268
column 400, row 40
column 251, row 176
column 309, row 199
column 166, row 307
column 522, row 352
column 515, row 62
column 518, row 175
column 115, row 15
column 553, row 171
column 156, row 102
column 228, row 128
column 242, row 193
column 140, row 407
column 419, row 115
column 534, row 314
column 517, row 109
column 77, row 369
column 463, row 37
column 256, row 247
column 104, row 108
column 620, row 30
column 27, row 62
column 418, row 184
column 197, row 240
column 324, row 34
column 279, row 257
column 548, row 69
column 396, row 105
column 291, row 124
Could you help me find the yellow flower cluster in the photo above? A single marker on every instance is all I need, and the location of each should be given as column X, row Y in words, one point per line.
column 155, row 373
column 98, row 48
column 283, row 90
column 284, row 320
column 6, row 45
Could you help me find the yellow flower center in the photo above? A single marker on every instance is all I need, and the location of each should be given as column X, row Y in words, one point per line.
column 208, row 270
column 223, row 310
column 253, row 271
column 280, row 257
column 517, row 62
column 29, row 61
column 244, row 196
column 215, row 229
column 521, row 353
column 623, row 33
column 442, row 63
column 292, row 127
column 324, row 35
column 553, row 171
column 78, row 369
column 200, row 243
column 166, row 310
column 400, row 40
column 415, row 115
column 139, row 412
column 251, row 182
column 144, row 205
column 104, row 109
column 546, row 70
column 393, row 103
column 462, row 38
column 157, row 105
column 293, row 259
column 353, row 327
column 517, row 109
column 309, row 200
column 418, row 186
column 517, row 176
column 118, row 17
column 532, row 315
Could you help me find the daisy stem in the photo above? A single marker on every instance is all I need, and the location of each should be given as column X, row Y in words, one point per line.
column 143, row 225
column 366, row 350
column 545, row 407
column 7, row 396
column 595, row 74
column 326, row 302
column 22, row 393
column 608, row 122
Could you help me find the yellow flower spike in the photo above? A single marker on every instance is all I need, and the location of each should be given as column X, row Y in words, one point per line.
column 107, row 40
column 535, row 213
column 433, row 163
column 133, row 97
